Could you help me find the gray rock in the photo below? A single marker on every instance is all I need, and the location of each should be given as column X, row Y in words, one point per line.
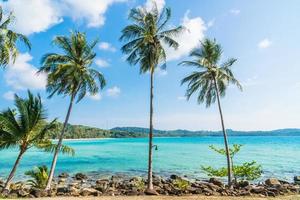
column 80, row 176
column 63, row 175
column 216, row 182
column 273, row 182
column 297, row 180
column 89, row 192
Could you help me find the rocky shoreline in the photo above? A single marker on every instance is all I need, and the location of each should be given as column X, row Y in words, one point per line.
column 82, row 185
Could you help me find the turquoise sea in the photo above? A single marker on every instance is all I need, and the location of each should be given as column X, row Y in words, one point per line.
column 279, row 156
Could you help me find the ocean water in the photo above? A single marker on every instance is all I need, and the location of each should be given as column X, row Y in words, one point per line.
column 279, row 156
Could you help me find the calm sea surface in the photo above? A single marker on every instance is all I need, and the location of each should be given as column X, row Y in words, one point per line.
column 279, row 156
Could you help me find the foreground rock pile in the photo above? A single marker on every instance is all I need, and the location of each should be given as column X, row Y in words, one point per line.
column 81, row 185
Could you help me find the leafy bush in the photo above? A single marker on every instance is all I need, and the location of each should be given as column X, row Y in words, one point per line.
column 246, row 171
column 181, row 184
column 140, row 184
column 40, row 176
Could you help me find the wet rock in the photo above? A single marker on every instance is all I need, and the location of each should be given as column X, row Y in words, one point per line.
column 297, row 180
column 272, row 182
column 38, row 193
column 216, row 182
column 89, row 192
column 256, row 189
column 243, row 184
column 80, row 176
column 174, row 177
column 62, row 190
column 102, row 185
column 63, row 175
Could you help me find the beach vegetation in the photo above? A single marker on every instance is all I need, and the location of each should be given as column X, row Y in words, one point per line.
column 210, row 81
column 146, row 37
column 71, row 74
column 39, row 176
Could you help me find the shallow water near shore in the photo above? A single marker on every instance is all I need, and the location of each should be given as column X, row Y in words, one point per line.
column 279, row 156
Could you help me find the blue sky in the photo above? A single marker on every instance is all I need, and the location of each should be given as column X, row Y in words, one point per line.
column 262, row 35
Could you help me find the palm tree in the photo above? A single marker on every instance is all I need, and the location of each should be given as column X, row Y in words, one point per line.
column 210, row 81
column 146, row 38
column 9, row 39
column 39, row 175
column 71, row 74
column 25, row 128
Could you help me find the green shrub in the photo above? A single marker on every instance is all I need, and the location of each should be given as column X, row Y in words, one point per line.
column 39, row 175
column 181, row 184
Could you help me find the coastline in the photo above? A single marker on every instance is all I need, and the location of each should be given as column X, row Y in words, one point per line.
column 294, row 197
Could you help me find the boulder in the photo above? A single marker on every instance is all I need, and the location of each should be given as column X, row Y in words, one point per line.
column 243, row 184
column 216, row 182
column 38, row 193
column 63, row 175
column 102, row 185
column 297, row 180
column 89, row 192
column 80, row 176
column 174, row 176
column 273, row 182
column 62, row 190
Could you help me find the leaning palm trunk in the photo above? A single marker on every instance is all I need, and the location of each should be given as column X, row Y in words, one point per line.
column 57, row 149
column 229, row 162
column 150, row 184
column 13, row 171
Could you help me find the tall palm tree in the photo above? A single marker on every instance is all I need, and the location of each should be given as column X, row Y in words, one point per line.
column 145, row 38
column 25, row 128
column 210, row 81
column 9, row 39
column 71, row 74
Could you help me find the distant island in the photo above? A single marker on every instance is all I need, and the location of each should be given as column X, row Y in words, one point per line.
column 80, row 131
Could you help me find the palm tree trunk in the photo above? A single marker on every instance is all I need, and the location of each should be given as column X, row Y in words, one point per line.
column 53, row 165
column 13, row 171
column 150, row 181
column 229, row 163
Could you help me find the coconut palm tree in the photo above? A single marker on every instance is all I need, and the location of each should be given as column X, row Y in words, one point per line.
column 9, row 39
column 25, row 128
column 210, row 81
column 71, row 74
column 146, row 38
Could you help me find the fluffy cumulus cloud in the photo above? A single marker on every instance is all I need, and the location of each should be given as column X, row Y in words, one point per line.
column 265, row 43
column 35, row 16
column 10, row 95
column 101, row 63
column 22, row 75
column 189, row 39
column 107, row 47
column 150, row 3
column 114, row 91
column 95, row 97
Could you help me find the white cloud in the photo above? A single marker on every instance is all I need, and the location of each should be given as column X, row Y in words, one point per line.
column 22, row 75
column 107, row 47
column 235, row 11
column 10, row 95
column 189, row 39
column 35, row 16
column 114, row 91
column 150, row 3
column 161, row 72
column 91, row 11
column 265, row 43
column 101, row 63
column 96, row 97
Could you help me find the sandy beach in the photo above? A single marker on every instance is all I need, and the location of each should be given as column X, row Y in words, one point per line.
column 297, row 197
